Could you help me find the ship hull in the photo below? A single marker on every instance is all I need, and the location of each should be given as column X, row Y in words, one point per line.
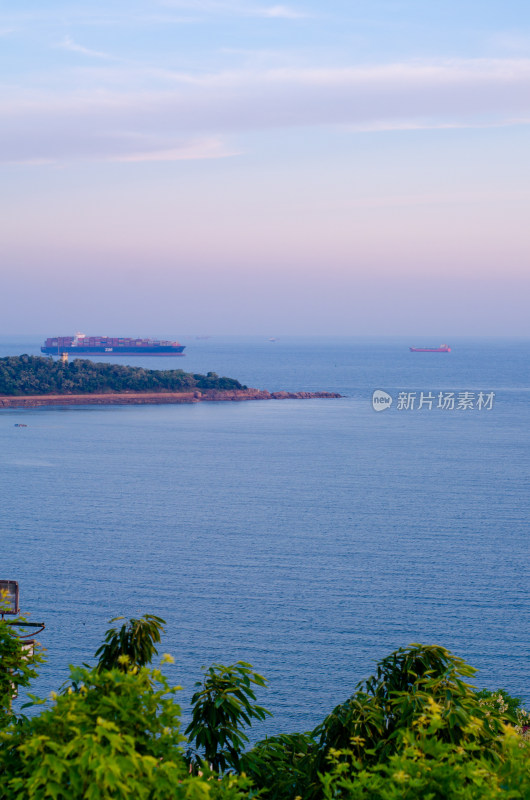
column 430, row 349
column 114, row 351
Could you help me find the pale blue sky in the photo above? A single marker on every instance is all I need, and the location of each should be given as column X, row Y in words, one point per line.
column 348, row 167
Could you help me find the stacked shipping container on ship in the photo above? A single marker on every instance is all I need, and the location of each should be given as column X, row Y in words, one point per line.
column 82, row 345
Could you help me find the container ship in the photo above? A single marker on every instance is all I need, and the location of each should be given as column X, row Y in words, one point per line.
column 81, row 345
column 444, row 348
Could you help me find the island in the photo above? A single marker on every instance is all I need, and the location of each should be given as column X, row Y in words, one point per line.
column 31, row 381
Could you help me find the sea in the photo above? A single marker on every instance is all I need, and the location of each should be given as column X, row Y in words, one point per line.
column 309, row 538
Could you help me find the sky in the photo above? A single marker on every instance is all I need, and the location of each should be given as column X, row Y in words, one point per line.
column 245, row 167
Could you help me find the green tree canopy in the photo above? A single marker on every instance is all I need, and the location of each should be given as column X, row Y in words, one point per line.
column 27, row 375
column 222, row 705
column 130, row 644
column 415, row 730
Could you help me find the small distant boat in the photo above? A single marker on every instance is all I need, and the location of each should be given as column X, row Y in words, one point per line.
column 20, row 425
column 444, row 348
column 272, row 339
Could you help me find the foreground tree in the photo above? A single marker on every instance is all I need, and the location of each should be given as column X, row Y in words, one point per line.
column 112, row 733
column 135, row 639
column 415, row 730
column 18, row 664
column 375, row 724
column 105, row 739
column 427, row 764
column 116, row 735
column 221, row 707
column 404, row 685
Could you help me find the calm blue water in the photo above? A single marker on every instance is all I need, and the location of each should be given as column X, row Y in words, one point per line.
column 307, row 537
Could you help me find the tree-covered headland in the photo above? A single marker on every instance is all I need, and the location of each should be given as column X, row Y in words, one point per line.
column 415, row 730
column 34, row 375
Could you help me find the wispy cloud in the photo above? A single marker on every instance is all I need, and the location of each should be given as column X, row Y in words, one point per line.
column 421, row 125
column 187, row 111
column 513, row 42
column 245, row 8
column 279, row 12
column 68, row 44
column 195, row 149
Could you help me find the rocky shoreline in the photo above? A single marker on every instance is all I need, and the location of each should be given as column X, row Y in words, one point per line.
column 145, row 398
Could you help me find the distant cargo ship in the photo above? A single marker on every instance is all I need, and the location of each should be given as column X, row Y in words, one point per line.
column 81, row 345
column 444, row 348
